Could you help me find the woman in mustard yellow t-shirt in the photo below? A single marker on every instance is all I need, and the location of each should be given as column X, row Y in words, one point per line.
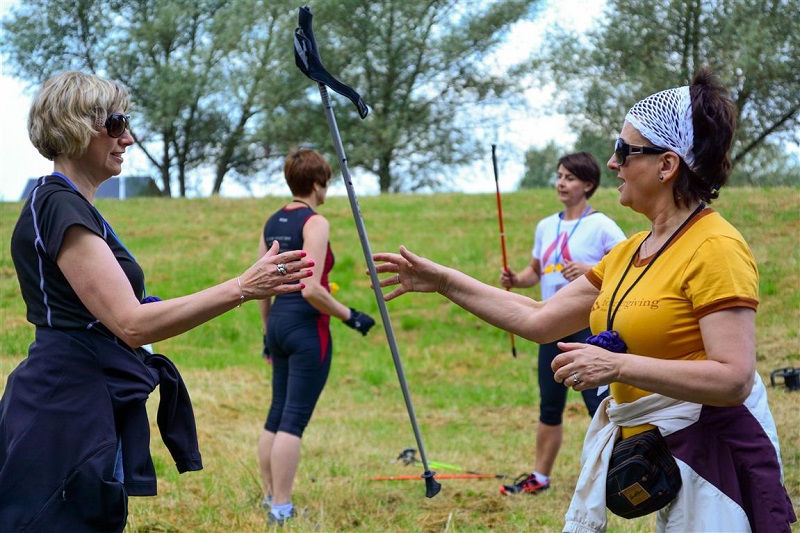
column 672, row 311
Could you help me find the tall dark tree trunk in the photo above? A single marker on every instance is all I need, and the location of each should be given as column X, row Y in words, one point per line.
column 384, row 174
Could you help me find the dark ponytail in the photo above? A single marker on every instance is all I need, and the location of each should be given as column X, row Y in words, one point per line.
column 714, row 121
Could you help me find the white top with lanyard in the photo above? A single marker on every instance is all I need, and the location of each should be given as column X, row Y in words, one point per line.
column 586, row 239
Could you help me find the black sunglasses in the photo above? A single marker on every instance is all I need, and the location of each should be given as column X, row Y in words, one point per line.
column 622, row 150
column 116, row 124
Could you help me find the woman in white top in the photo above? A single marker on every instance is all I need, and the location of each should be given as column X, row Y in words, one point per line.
column 566, row 245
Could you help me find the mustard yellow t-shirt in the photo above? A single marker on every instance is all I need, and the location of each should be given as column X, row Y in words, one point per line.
column 707, row 267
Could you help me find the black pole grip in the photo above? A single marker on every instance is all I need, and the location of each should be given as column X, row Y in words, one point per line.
column 307, row 59
column 304, row 18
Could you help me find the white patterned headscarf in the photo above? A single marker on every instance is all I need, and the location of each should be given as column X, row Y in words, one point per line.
column 665, row 119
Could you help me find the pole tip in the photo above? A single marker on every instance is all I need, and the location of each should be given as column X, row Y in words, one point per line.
column 432, row 487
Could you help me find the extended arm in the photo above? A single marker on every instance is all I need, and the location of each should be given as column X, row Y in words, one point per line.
column 564, row 313
column 94, row 274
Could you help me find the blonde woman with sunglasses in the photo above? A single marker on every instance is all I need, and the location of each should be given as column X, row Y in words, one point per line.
column 74, row 433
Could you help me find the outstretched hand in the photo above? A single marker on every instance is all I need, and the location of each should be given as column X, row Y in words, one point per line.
column 412, row 273
column 274, row 273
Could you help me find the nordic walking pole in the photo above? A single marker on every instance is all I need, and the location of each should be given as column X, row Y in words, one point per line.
column 308, row 61
column 502, row 233
column 441, row 476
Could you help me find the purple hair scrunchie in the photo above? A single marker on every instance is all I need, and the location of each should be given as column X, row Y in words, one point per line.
column 609, row 340
column 150, row 299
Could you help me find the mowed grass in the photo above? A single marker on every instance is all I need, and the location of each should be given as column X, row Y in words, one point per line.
column 476, row 405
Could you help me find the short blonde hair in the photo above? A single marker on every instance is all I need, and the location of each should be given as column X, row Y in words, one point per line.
column 71, row 108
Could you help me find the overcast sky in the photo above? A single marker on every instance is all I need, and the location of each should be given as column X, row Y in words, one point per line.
column 20, row 161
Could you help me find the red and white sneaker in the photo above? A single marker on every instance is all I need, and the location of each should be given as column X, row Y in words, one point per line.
column 526, row 483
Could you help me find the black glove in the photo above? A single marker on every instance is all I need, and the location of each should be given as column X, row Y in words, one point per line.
column 359, row 321
column 265, row 353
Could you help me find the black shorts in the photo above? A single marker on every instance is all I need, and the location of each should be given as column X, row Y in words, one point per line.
column 301, row 350
column 554, row 394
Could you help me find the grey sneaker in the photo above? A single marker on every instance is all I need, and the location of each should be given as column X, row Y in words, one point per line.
column 266, row 503
column 274, row 520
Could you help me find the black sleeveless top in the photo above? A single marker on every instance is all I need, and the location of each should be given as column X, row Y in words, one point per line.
column 286, row 227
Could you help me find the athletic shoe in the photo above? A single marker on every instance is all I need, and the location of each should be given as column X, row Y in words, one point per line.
column 274, row 520
column 266, row 503
column 526, row 483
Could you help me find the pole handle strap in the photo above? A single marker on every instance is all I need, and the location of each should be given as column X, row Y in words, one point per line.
column 306, row 57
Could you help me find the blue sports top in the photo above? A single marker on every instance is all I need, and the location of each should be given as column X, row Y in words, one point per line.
column 286, row 226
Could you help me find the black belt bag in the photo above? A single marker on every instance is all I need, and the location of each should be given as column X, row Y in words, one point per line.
column 642, row 477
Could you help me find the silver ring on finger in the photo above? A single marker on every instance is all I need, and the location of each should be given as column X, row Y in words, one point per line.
column 575, row 379
column 281, row 269
column 398, row 279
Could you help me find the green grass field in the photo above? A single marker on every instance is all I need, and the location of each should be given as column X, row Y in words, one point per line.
column 476, row 405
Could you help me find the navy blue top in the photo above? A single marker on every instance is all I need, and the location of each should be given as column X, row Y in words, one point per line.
column 50, row 210
column 286, row 226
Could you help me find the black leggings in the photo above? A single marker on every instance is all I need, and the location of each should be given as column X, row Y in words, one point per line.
column 554, row 394
column 301, row 351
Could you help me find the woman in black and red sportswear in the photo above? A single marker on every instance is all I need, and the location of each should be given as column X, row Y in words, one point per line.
column 297, row 337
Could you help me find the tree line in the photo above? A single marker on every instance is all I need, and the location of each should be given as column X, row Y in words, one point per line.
column 215, row 90
column 642, row 46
